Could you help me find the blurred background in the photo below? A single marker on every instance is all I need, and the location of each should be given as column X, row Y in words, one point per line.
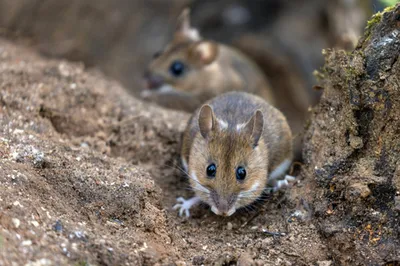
column 284, row 37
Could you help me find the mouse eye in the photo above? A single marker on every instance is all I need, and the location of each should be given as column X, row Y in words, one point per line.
column 240, row 173
column 177, row 68
column 211, row 170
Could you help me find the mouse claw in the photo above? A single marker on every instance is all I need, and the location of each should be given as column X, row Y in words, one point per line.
column 180, row 200
column 290, row 178
column 184, row 205
column 284, row 183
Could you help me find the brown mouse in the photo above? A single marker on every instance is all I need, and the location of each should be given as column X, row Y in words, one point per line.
column 233, row 148
column 191, row 70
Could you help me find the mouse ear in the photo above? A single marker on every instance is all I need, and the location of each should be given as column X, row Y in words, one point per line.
column 203, row 52
column 183, row 29
column 254, row 127
column 206, row 120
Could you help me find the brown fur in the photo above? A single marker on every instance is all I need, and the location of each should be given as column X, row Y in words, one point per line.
column 212, row 69
column 207, row 140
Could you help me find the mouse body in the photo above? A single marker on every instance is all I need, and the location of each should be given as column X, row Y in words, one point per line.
column 191, row 70
column 234, row 146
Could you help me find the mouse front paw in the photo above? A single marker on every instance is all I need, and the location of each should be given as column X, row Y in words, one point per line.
column 284, row 183
column 184, row 205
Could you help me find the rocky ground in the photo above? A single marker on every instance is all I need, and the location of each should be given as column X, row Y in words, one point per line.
column 89, row 173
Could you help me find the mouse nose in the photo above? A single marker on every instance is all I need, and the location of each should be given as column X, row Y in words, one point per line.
column 223, row 207
column 153, row 81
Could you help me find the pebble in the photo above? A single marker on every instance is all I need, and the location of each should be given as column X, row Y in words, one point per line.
column 16, row 222
column 40, row 262
column 180, row 263
column 16, row 203
column 74, row 246
column 198, row 260
column 356, row 142
column 357, row 190
column 397, row 203
column 324, row 263
column 26, row 242
column 35, row 223
column 229, row 226
column 58, row 226
column 38, row 158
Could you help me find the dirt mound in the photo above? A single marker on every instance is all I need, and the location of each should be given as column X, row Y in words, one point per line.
column 66, row 199
column 61, row 192
column 89, row 173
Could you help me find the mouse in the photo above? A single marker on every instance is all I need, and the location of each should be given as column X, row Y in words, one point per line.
column 235, row 147
column 191, row 70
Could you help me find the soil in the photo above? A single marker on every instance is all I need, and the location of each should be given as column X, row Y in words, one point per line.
column 89, row 173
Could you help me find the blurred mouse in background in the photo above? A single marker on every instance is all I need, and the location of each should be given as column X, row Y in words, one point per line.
column 191, row 70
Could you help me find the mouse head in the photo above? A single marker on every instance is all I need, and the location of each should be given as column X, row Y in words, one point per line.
column 228, row 164
column 182, row 64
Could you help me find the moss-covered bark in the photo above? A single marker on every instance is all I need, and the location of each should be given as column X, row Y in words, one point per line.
column 352, row 148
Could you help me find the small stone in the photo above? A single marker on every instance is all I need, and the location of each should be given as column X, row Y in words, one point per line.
column 35, row 223
column 324, row 263
column 112, row 224
column 18, row 131
column 297, row 215
column 84, row 145
column 397, row 203
column 40, row 262
column 58, row 226
column 17, row 157
column 38, row 158
column 27, row 243
column 78, row 235
column 356, row 142
column 198, row 260
column 357, row 190
column 63, row 70
column 180, row 263
column 74, row 246
column 229, row 226
column 16, row 222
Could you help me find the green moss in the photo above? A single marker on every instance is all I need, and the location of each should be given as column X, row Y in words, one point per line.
column 319, row 76
column 377, row 18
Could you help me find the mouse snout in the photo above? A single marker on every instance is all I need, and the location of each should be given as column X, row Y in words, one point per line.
column 153, row 81
column 223, row 205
